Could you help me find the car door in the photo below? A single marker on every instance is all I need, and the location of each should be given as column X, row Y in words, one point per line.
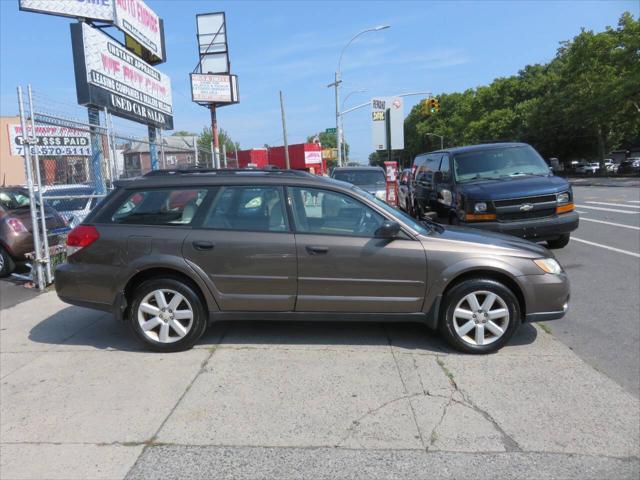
column 443, row 188
column 244, row 244
column 342, row 266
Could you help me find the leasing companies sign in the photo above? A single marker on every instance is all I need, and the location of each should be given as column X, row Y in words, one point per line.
column 108, row 75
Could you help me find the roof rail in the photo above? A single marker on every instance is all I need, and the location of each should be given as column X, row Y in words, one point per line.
column 226, row 171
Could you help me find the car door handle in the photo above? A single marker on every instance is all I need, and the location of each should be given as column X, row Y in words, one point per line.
column 317, row 250
column 200, row 245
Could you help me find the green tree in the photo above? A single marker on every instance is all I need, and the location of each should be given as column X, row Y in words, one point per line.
column 204, row 142
column 183, row 133
column 328, row 140
column 582, row 104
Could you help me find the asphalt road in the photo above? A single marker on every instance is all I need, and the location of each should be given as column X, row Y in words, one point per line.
column 603, row 262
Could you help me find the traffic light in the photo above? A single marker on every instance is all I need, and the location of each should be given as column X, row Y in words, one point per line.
column 430, row 105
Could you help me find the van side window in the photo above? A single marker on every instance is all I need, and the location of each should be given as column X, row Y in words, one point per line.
column 444, row 168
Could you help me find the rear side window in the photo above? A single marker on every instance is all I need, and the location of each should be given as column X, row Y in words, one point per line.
column 444, row 168
column 248, row 208
column 159, row 207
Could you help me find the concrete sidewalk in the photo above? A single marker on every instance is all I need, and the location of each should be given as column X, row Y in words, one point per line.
column 79, row 399
column 596, row 181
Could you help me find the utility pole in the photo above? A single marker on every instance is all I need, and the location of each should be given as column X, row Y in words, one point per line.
column 336, row 83
column 284, row 133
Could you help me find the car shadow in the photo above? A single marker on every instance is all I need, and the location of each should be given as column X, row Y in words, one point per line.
column 80, row 327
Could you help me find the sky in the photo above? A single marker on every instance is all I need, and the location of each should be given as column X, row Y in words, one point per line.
column 294, row 46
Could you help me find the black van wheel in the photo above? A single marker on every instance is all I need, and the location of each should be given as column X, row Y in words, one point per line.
column 479, row 316
column 167, row 315
column 560, row 242
column 7, row 265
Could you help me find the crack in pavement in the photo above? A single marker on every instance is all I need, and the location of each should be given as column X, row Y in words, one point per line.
column 508, row 441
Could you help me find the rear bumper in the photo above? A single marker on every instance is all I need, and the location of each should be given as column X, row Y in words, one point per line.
column 535, row 229
column 73, row 287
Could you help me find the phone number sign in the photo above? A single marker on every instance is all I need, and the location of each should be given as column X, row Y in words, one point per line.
column 51, row 140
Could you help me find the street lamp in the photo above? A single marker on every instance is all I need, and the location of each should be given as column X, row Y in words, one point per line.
column 440, row 137
column 337, row 83
column 344, row 101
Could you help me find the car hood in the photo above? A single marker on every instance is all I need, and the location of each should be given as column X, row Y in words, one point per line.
column 471, row 240
column 514, row 187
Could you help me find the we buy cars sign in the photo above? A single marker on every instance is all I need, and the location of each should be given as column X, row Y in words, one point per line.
column 51, row 140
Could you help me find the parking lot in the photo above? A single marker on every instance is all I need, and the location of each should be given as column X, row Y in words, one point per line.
column 305, row 400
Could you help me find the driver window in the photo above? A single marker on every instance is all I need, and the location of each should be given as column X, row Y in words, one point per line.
column 331, row 213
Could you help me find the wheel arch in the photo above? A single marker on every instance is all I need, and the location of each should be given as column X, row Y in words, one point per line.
column 151, row 272
column 489, row 274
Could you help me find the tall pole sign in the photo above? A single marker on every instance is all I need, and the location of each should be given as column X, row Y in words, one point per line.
column 212, row 84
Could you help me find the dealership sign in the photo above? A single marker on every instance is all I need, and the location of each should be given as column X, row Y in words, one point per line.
column 144, row 30
column 108, row 75
column 134, row 18
column 51, row 140
column 214, row 88
column 90, row 9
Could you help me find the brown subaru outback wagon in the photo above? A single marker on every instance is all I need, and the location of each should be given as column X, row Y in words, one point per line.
column 169, row 252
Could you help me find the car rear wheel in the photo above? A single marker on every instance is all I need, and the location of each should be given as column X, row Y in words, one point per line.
column 479, row 316
column 560, row 242
column 167, row 315
column 7, row 265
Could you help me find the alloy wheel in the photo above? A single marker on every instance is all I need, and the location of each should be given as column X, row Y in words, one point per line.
column 481, row 318
column 165, row 316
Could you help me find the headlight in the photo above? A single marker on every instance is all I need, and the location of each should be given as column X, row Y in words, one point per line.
column 480, row 207
column 548, row 265
column 381, row 194
column 563, row 197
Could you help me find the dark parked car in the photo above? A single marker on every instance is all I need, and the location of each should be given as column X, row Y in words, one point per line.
column 287, row 245
column 16, row 238
column 631, row 165
column 370, row 179
column 503, row 187
column 405, row 194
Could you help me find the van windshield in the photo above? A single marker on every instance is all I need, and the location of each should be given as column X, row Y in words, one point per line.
column 361, row 177
column 498, row 163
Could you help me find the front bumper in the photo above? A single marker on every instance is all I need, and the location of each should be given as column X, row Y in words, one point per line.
column 546, row 296
column 535, row 229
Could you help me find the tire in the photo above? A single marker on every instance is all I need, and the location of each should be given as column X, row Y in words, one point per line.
column 163, row 333
column 7, row 265
column 560, row 242
column 456, row 312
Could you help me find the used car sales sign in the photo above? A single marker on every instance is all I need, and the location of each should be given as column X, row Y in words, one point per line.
column 51, row 140
column 108, row 75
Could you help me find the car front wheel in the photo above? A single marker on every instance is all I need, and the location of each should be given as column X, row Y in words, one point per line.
column 560, row 242
column 167, row 315
column 479, row 316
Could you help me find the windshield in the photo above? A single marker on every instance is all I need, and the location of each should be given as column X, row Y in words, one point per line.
column 361, row 177
column 13, row 199
column 70, row 203
column 418, row 227
column 496, row 163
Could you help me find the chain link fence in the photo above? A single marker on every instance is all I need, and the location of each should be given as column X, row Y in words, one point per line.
column 72, row 161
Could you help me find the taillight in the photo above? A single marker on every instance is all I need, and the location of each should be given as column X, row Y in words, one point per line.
column 16, row 225
column 80, row 237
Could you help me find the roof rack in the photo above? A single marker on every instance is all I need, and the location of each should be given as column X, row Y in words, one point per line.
column 227, row 171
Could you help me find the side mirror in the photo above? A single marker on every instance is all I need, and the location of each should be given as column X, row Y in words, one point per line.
column 445, row 197
column 438, row 177
column 388, row 229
